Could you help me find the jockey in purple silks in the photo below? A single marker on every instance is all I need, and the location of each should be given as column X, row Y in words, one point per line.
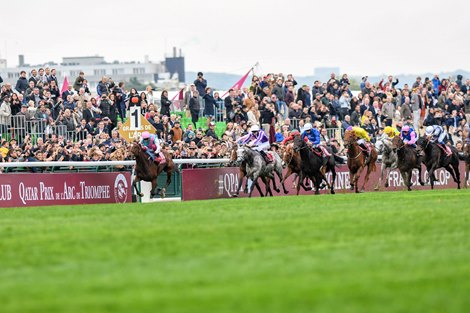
column 258, row 140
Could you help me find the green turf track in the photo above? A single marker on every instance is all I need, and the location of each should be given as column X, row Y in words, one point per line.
column 373, row 252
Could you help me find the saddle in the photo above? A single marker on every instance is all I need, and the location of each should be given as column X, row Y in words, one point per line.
column 160, row 159
column 269, row 158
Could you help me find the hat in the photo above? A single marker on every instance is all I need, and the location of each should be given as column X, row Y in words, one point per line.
column 177, row 122
column 105, row 118
column 211, row 124
column 24, row 105
column 317, row 94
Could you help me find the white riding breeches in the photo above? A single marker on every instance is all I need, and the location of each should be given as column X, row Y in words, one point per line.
column 263, row 146
column 361, row 141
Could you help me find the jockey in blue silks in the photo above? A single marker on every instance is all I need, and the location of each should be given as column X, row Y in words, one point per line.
column 151, row 145
column 408, row 135
column 258, row 140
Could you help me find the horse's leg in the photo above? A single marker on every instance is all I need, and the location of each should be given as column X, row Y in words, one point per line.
column 431, row 175
column 383, row 168
column 255, row 181
column 370, row 166
column 301, row 178
column 451, row 169
column 406, row 179
column 136, row 180
column 267, row 182
column 272, row 176
column 281, row 179
column 333, row 178
column 288, row 173
column 351, row 179
column 356, row 179
column 241, row 175
column 421, row 182
column 318, row 180
column 153, row 191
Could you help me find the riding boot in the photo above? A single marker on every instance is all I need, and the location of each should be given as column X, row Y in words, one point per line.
column 265, row 156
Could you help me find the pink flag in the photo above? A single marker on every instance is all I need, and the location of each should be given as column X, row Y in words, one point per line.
column 179, row 95
column 65, row 86
column 239, row 84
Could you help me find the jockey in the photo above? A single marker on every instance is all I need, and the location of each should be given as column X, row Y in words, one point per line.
column 363, row 139
column 436, row 133
column 391, row 132
column 258, row 140
column 408, row 135
column 311, row 135
column 151, row 145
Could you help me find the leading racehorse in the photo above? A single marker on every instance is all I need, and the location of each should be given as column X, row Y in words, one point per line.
column 357, row 160
column 147, row 170
column 435, row 157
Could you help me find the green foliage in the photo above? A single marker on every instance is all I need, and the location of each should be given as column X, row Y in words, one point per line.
column 373, row 252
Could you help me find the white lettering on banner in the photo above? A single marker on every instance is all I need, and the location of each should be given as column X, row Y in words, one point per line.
column 396, row 180
column 94, row 191
column 69, row 193
column 46, row 193
column 228, row 183
column 5, row 192
column 342, row 180
column 28, row 193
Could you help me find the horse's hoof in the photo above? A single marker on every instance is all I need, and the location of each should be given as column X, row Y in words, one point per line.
column 421, row 183
column 322, row 186
column 277, row 190
column 235, row 195
column 352, row 187
column 386, row 185
column 376, row 188
column 141, row 194
column 333, row 192
column 286, row 192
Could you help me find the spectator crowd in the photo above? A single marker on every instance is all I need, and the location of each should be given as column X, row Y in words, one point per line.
column 277, row 103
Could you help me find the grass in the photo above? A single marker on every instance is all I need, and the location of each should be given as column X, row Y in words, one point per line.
column 373, row 252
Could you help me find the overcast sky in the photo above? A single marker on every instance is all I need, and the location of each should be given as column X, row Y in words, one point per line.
column 361, row 37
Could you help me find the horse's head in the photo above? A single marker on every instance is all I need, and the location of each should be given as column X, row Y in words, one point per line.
column 422, row 143
column 397, row 143
column 287, row 153
column 298, row 143
column 241, row 153
column 135, row 149
column 379, row 144
column 349, row 137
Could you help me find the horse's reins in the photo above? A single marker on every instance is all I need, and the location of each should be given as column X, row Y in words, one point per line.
column 349, row 144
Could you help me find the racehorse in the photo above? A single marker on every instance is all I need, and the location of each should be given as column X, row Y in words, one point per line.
column 389, row 159
column 312, row 162
column 147, row 170
column 292, row 160
column 407, row 161
column 435, row 157
column 256, row 167
column 242, row 172
column 357, row 160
